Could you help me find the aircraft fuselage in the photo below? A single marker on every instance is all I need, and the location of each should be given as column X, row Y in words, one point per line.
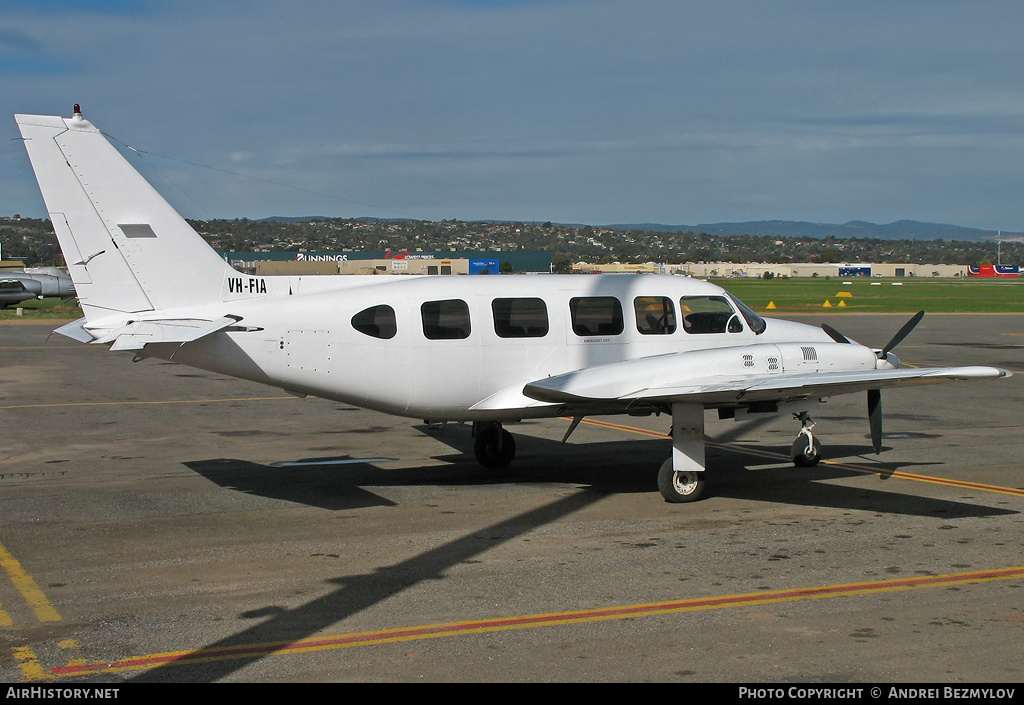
column 462, row 348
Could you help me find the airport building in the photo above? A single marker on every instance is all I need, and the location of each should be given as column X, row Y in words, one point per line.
column 520, row 261
column 705, row 270
column 391, row 262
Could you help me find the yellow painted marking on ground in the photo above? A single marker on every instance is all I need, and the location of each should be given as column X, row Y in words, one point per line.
column 530, row 621
column 28, row 664
column 128, row 403
column 5, row 619
column 621, row 427
column 23, row 582
column 964, row 484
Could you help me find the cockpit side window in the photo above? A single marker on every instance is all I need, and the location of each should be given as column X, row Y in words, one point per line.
column 756, row 323
column 655, row 315
column 708, row 314
column 376, row 322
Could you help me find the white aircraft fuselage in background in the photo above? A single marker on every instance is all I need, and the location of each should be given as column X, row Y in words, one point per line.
column 486, row 349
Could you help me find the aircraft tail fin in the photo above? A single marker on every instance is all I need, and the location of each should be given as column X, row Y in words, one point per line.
column 127, row 249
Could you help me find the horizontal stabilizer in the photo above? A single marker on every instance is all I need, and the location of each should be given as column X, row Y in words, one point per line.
column 76, row 331
column 138, row 334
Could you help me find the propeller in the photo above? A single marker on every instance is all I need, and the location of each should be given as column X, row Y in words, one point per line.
column 834, row 334
column 875, row 395
column 875, row 418
column 896, row 339
column 901, row 334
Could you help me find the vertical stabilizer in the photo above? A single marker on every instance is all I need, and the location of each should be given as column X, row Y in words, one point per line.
column 126, row 248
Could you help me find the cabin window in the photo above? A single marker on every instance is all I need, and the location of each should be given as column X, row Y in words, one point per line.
column 655, row 315
column 520, row 318
column 445, row 320
column 708, row 314
column 376, row 322
column 596, row 315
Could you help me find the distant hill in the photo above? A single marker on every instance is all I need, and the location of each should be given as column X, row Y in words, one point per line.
column 900, row 230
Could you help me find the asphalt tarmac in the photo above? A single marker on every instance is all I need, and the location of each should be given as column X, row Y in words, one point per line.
column 164, row 524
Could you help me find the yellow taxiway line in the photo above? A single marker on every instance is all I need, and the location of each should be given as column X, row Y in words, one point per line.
column 547, row 619
column 26, row 586
column 129, row 403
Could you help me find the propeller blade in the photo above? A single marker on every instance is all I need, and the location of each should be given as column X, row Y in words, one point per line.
column 834, row 334
column 875, row 418
column 902, row 333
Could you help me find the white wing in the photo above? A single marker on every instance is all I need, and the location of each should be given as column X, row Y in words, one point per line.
column 669, row 379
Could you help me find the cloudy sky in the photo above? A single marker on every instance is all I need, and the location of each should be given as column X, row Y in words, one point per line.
column 583, row 111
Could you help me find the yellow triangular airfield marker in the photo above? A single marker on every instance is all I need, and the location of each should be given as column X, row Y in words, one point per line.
column 844, row 295
column 827, row 304
column 842, row 303
column 771, row 304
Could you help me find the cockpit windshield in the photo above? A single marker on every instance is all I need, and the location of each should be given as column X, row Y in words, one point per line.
column 756, row 323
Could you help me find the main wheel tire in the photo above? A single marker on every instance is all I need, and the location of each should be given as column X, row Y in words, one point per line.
column 799, row 452
column 494, row 447
column 678, row 487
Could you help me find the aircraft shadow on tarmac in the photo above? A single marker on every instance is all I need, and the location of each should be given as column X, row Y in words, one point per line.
column 274, row 624
column 600, row 469
column 749, row 471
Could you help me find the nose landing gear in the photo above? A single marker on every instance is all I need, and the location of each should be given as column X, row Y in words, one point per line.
column 806, row 449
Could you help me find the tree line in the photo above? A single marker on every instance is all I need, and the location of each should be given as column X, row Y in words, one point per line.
column 34, row 241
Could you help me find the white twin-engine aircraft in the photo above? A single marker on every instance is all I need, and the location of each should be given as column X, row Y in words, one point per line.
column 483, row 349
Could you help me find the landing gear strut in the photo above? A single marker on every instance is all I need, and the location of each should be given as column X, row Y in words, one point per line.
column 806, row 449
column 495, row 447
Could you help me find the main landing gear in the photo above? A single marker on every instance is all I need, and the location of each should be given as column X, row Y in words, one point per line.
column 681, row 477
column 806, row 449
column 494, row 447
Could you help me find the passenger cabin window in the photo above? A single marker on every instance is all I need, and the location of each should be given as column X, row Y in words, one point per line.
column 520, row 318
column 655, row 315
column 376, row 322
column 445, row 320
column 708, row 314
column 596, row 315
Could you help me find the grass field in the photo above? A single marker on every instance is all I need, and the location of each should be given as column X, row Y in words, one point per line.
column 788, row 295
column 45, row 309
column 879, row 295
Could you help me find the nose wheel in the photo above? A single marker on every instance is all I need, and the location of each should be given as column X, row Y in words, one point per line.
column 806, row 449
